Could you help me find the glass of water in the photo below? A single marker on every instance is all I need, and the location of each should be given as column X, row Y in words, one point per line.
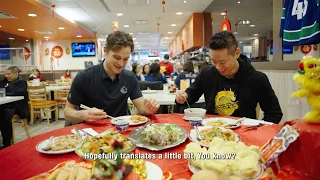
column 2, row 92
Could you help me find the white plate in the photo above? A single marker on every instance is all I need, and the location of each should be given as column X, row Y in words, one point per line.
column 129, row 119
column 193, row 134
column 154, row 172
column 44, row 143
column 257, row 176
column 205, row 122
column 149, row 91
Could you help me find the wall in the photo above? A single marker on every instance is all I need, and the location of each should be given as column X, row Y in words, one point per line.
column 296, row 55
column 17, row 59
column 66, row 61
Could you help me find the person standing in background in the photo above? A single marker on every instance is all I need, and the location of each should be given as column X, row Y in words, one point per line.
column 166, row 67
column 36, row 75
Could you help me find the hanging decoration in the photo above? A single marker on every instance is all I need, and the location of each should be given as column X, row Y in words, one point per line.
column 53, row 5
column 315, row 47
column 115, row 25
column 158, row 24
column 295, row 48
column 56, row 52
column 225, row 26
column 236, row 32
column 306, row 49
column 51, row 63
column 67, row 51
column 26, row 54
column 46, row 52
column 163, row 4
column 182, row 46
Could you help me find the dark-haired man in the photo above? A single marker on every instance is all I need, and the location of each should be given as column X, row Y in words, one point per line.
column 232, row 87
column 166, row 66
column 107, row 86
column 14, row 87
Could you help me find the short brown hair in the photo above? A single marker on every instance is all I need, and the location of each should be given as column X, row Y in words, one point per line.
column 188, row 67
column 119, row 39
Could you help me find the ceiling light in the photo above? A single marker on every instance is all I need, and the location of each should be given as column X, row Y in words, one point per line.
column 126, row 26
column 240, row 42
column 0, row 26
column 238, row 2
column 20, row 29
column 79, row 36
column 11, row 38
column 61, row 28
column 223, row 13
column 46, row 37
column 255, row 34
column 134, row 38
column 166, row 37
column 235, row 32
column 119, row 14
column 169, row 32
column 248, row 22
column 173, row 25
column 185, row 1
column 178, row 13
column 136, row 42
column 32, row 15
column 252, row 25
column 27, row 40
column 130, row 33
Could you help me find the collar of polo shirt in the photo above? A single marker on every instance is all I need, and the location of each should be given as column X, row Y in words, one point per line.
column 104, row 73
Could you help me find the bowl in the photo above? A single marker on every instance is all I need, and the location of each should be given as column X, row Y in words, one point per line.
column 122, row 125
column 195, row 121
column 195, row 112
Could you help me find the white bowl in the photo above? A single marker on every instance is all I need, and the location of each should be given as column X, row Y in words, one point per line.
column 195, row 112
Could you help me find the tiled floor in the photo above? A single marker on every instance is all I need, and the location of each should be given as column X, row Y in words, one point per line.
column 36, row 129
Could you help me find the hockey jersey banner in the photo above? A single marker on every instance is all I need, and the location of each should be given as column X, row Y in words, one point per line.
column 299, row 24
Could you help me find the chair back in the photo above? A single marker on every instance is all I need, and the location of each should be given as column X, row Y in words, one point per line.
column 37, row 93
column 156, row 85
column 62, row 93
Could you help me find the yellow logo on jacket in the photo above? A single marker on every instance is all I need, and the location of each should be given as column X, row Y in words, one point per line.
column 225, row 103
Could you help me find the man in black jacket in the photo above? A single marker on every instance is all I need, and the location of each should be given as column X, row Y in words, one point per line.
column 232, row 87
column 14, row 87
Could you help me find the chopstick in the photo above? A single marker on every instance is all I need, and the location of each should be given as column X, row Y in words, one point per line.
column 88, row 108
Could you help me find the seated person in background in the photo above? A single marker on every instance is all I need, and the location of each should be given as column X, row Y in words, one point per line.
column 146, row 69
column 155, row 74
column 14, row 87
column 137, row 70
column 232, row 87
column 106, row 87
column 179, row 69
column 166, row 66
column 188, row 73
column 36, row 75
column 67, row 75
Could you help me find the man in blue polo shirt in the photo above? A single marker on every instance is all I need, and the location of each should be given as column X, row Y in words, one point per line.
column 107, row 86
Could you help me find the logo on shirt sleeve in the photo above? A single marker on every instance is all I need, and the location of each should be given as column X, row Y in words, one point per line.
column 225, row 103
column 124, row 90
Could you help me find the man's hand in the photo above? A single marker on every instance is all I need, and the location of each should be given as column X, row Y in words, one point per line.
column 93, row 114
column 181, row 97
column 151, row 106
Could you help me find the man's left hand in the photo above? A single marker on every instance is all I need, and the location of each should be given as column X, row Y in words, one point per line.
column 151, row 106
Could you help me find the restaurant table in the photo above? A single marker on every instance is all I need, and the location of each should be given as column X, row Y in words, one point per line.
column 9, row 99
column 21, row 160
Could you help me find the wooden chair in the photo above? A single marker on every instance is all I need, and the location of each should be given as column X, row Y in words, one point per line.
column 61, row 97
column 39, row 101
column 16, row 119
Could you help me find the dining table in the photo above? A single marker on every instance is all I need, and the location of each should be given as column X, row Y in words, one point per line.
column 9, row 99
column 22, row 160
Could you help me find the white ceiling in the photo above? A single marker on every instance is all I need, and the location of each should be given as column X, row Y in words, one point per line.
column 93, row 15
column 259, row 12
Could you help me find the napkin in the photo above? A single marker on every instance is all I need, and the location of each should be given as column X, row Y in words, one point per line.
column 87, row 130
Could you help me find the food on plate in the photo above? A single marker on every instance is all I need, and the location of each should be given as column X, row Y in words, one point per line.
column 139, row 167
column 230, row 158
column 64, row 142
column 103, row 143
column 137, row 118
column 216, row 123
column 70, row 173
column 201, row 175
column 210, row 133
column 161, row 135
